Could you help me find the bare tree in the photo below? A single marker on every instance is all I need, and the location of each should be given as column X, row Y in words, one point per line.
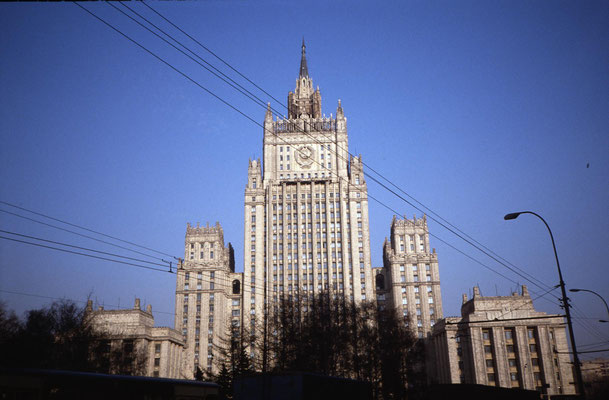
column 62, row 336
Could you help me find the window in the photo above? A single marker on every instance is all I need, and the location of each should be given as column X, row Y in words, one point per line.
column 488, row 349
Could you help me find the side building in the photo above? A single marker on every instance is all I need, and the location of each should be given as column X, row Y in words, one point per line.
column 502, row 341
column 134, row 346
column 208, row 297
column 410, row 275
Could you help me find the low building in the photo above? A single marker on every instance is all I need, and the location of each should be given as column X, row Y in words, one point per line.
column 502, row 341
column 139, row 347
column 596, row 378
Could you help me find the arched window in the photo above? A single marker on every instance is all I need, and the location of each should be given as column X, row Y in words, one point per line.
column 380, row 281
column 236, row 286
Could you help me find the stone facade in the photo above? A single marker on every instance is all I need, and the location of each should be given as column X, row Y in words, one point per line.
column 410, row 275
column 133, row 332
column 208, row 297
column 306, row 230
column 502, row 341
column 306, row 209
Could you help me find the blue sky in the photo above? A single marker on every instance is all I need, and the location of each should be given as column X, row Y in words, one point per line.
column 473, row 108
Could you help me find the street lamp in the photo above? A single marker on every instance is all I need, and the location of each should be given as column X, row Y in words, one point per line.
column 593, row 292
column 565, row 301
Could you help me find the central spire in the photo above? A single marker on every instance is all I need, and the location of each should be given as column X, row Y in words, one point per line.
column 304, row 71
column 304, row 101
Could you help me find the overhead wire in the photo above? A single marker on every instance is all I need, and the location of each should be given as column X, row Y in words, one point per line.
column 491, row 255
column 83, row 254
column 471, row 240
column 251, row 119
column 224, row 78
column 195, row 82
column 80, row 234
column 210, row 52
column 84, row 228
column 82, row 248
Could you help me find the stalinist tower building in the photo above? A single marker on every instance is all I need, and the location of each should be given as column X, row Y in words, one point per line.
column 306, row 231
column 306, row 208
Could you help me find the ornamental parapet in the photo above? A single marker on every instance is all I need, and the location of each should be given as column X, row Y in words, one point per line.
column 394, row 257
column 306, row 125
column 205, row 230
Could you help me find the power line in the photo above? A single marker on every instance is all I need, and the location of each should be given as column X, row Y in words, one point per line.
column 82, row 227
column 210, row 52
column 583, row 352
column 82, row 248
column 374, row 179
column 490, row 253
column 234, row 84
column 80, row 234
column 255, row 122
column 84, row 254
column 594, row 344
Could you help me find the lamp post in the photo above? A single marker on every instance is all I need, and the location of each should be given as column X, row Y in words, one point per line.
column 593, row 292
column 565, row 302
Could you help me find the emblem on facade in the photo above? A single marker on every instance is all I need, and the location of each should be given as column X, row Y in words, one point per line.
column 304, row 156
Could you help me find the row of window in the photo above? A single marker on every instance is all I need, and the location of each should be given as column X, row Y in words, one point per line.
column 309, row 196
column 318, row 216
column 411, row 238
column 415, row 278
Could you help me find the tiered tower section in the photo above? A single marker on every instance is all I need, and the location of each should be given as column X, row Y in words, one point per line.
column 412, row 274
column 306, row 209
column 208, row 297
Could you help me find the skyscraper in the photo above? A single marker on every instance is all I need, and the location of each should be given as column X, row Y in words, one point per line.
column 306, row 231
column 306, row 208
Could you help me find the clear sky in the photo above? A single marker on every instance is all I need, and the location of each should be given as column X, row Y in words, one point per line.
column 476, row 109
